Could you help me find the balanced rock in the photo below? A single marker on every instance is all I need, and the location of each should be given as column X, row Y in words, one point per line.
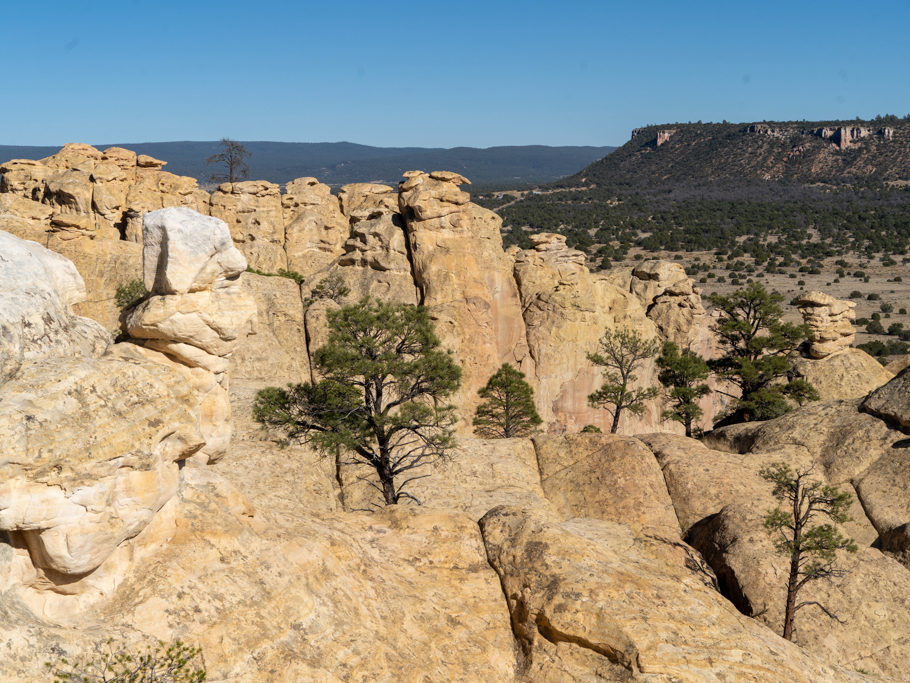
column 830, row 322
column 197, row 310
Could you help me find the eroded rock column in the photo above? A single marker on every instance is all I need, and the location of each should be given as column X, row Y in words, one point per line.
column 197, row 310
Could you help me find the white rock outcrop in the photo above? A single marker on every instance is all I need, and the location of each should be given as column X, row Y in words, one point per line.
column 197, row 310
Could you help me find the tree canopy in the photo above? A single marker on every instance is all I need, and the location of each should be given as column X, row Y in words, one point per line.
column 758, row 345
column 380, row 398
column 683, row 374
column 621, row 351
column 508, row 407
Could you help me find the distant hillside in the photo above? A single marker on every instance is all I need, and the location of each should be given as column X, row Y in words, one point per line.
column 337, row 163
column 832, row 152
column 767, row 189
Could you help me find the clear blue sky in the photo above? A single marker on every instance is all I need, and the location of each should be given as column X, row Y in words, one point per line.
column 426, row 73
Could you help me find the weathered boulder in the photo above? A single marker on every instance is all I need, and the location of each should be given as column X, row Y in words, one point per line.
column 830, row 321
column 843, row 374
column 315, row 229
column 37, row 290
column 605, row 476
column 590, row 600
column 891, row 401
column 464, row 278
column 253, row 213
column 183, row 251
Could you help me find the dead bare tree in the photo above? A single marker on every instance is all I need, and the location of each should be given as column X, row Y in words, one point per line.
column 232, row 158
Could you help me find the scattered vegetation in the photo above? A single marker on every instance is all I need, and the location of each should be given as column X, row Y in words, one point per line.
column 174, row 663
column 289, row 274
column 508, row 406
column 812, row 549
column 130, row 294
column 331, row 287
column 621, row 352
column 381, row 397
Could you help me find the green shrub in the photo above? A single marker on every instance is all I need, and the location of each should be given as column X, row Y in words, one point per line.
column 174, row 663
column 591, row 429
column 130, row 294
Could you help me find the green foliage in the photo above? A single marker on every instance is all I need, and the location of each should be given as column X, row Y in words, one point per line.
column 289, row 274
column 174, row 663
column 380, row 399
column 683, row 374
column 508, row 406
column 812, row 550
column 331, row 287
column 591, row 429
column 621, row 351
column 130, row 294
column 757, row 345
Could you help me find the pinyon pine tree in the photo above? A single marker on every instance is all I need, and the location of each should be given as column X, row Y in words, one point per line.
column 683, row 374
column 811, row 549
column 622, row 351
column 508, row 407
column 381, row 397
column 758, row 345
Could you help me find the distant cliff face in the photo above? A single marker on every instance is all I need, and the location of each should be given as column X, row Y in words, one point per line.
column 804, row 152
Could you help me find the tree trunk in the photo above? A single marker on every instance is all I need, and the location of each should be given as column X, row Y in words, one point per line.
column 386, row 478
column 615, row 421
column 791, row 597
column 688, row 425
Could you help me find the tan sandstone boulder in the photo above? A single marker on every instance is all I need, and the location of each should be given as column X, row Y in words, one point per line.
column 846, row 373
column 590, row 600
column 830, row 321
column 605, row 476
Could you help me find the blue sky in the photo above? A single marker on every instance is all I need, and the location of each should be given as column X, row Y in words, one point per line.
column 425, row 73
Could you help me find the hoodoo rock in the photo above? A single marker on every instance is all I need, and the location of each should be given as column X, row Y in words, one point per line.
column 830, row 321
column 197, row 310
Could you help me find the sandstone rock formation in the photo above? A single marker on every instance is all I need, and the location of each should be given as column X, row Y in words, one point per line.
column 464, row 278
column 892, row 401
column 566, row 309
column 252, row 210
column 547, row 566
column 315, row 229
column 830, row 322
column 197, row 309
column 844, row 374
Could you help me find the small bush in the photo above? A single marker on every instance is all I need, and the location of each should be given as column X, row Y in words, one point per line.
column 331, row 287
column 130, row 294
column 873, row 297
column 886, row 308
column 174, row 663
column 591, row 429
column 856, row 294
column 875, row 327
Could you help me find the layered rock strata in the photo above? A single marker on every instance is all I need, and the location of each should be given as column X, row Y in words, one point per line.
column 830, row 321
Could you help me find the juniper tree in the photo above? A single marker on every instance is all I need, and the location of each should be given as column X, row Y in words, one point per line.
column 682, row 374
column 621, row 352
column 380, row 399
column 508, row 407
column 758, row 346
column 812, row 549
